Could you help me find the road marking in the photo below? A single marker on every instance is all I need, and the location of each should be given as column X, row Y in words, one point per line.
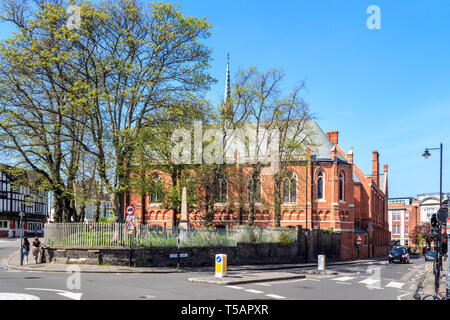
column 394, row 284
column 263, row 284
column 235, row 287
column 253, row 291
column 275, row 296
column 369, row 281
column 344, row 279
column 17, row 296
column 67, row 294
column 311, row 279
column 402, row 295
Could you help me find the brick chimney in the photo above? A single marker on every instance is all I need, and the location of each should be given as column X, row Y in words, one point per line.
column 376, row 168
column 386, row 168
column 334, row 153
column 350, row 156
column 333, row 136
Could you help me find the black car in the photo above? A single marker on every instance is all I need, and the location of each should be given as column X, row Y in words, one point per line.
column 430, row 255
column 399, row 254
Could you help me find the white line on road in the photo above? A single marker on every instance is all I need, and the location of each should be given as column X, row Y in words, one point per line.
column 275, row 296
column 344, row 283
column 344, row 279
column 253, row 291
column 369, row 281
column 67, row 294
column 394, row 284
column 263, row 284
column 235, row 287
column 402, row 295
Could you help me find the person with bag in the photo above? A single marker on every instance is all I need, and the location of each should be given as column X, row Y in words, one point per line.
column 25, row 250
column 35, row 249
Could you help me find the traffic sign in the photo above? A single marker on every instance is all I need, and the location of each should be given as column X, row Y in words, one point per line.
column 358, row 240
column 175, row 255
column 306, row 233
column 130, row 226
column 130, row 210
column 130, row 218
column 221, row 265
column 448, row 225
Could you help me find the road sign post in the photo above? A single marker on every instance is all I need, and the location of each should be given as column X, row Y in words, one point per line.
column 221, row 265
column 306, row 233
column 358, row 243
column 21, row 214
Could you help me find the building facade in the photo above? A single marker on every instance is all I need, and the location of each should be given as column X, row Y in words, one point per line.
column 407, row 213
column 325, row 191
column 16, row 199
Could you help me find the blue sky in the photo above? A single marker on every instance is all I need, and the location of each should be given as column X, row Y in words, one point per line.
column 386, row 90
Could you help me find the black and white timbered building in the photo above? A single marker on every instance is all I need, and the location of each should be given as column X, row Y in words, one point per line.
column 16, row 199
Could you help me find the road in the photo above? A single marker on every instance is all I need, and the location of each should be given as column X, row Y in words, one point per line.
column 377, row 280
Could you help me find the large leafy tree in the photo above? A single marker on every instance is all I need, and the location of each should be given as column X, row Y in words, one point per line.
column 92, row 88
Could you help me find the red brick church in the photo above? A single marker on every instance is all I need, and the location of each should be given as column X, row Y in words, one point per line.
column 327, row 192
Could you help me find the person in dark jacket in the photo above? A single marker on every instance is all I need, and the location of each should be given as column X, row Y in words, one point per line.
column 25, row 250
column 35, row 249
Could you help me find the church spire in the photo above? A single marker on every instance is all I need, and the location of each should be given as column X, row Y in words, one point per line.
column 227, row 81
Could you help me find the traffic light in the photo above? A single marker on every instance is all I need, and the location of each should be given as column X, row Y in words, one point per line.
column 434, row 225
column 434, row 221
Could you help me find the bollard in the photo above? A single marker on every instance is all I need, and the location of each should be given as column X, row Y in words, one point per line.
column 321, row 264
column 221, row 265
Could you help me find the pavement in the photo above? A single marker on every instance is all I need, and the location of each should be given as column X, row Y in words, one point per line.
column 425, row 289
column 12, row 261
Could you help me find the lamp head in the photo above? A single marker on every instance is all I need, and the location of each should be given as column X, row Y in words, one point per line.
column 426, row 154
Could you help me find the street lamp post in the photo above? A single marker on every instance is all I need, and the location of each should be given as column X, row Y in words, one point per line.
column 438, row 261
column 21, row 214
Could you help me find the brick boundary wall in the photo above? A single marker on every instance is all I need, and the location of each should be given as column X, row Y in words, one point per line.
column 242, row 254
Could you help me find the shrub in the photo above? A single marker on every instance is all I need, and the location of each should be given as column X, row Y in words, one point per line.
column 285, row 239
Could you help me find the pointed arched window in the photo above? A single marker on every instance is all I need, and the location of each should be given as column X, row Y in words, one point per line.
column 254, row 188
column 221, row 189
column 290, row 188
column 341, row 186
column 156, row 189
column 320, row 185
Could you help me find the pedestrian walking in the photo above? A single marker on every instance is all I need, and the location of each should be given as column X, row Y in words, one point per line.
column 35, row 246
column 25, row 250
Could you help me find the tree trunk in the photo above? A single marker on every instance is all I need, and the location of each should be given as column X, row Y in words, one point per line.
column 277, row 201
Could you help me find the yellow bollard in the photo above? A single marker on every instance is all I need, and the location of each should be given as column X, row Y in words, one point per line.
column 221, row 265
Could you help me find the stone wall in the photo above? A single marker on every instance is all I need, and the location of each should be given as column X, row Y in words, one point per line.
column 304, row 250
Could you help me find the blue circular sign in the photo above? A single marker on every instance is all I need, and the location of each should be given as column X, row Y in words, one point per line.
column 219, row 259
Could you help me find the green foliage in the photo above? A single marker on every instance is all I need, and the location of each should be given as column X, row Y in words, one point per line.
column 285, row 239
column 109, row 219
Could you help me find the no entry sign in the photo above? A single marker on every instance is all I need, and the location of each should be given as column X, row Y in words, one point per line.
column 130, row 210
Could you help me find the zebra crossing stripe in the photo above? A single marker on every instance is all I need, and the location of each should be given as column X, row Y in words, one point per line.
column 394, row 284
column 369, row 281
column 343, row 279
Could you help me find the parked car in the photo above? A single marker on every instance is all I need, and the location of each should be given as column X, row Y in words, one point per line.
column 430, row 255
column 399, row 254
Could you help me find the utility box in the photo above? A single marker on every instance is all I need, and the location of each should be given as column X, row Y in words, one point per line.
column 321, row 263
column 221, row 265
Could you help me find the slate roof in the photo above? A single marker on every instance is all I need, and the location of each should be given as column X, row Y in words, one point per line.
column 323, row 146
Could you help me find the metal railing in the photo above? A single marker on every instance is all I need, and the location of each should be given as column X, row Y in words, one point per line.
column 116, row 234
